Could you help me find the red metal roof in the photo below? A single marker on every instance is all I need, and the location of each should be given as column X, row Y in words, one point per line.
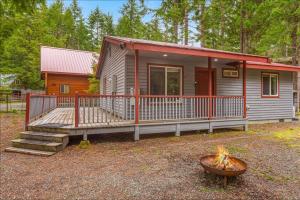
column 67, row 61
column 150, row 45
column 253, row 61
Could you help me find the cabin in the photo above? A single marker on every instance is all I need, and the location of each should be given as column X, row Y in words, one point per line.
column 66, row 71
column 151, row 87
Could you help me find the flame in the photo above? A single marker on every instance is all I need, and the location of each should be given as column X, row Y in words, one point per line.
column 222, row 159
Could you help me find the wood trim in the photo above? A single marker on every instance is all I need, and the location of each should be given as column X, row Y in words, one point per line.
column 188, row 50
column 165, row 65
column 245, row 87
column 136, row 85
column 66, row 73
column 27, row 114
column 214, row 71
column 46, row 82
column 278, row 86
column 209, row 63
column 268, row 67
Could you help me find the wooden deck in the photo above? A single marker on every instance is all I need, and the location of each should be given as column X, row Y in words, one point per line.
column 65, row 118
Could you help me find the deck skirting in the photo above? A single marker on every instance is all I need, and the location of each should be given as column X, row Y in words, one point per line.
column 154, row 128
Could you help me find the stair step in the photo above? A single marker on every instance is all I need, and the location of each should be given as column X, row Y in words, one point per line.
column 37, row 145
column 47, row 129
column 45, row 136
column 29, row 151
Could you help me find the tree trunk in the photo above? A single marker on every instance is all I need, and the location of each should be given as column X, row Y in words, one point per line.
column 294, row 44
column 242, row 29
column 201, row 23
column 186, row 26
column 222, row 24
column 175, row 25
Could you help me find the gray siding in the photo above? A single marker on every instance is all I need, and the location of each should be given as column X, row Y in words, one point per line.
column 259, row 108
column 269, row 108
column 229, row 86
column 114, row 64
column 188, row 73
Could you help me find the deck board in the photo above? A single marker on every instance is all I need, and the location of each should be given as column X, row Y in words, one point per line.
column 64, row 117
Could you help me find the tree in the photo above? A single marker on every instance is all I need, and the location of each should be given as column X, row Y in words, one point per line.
column 94, row 86
column 99, row 25
column 130, row 24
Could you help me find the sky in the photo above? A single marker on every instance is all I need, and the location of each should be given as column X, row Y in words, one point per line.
column 112, row 7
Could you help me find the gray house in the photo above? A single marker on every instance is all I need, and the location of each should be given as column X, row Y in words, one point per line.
column 167, row 87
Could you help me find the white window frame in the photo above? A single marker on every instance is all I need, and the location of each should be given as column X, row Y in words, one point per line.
column 166, row 67
column 270, row 75
column 63, row 91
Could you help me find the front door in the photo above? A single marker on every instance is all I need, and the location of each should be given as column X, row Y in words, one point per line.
column 201, row 81
column 201, row 89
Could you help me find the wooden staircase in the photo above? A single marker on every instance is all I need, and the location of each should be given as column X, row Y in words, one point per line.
column 39, row 143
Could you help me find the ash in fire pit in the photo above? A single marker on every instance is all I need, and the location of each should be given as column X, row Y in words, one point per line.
column 223, row 164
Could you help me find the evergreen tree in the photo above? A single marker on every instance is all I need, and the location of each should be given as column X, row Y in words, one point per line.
column 130, row 24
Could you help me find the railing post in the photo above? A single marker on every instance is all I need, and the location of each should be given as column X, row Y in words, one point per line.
column 245, row 88
column 27, row 114
column 76, row 110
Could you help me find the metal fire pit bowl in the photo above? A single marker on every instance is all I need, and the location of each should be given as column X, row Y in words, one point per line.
column 239, row 167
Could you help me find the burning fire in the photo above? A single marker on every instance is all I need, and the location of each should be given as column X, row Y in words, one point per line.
column 222, row 160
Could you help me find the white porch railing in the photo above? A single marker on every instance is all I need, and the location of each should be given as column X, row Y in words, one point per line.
column 105, row 109
column 114, row 109
column 154, row 108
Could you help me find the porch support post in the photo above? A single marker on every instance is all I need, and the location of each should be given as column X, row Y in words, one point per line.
column 136, row 85
column 209, row 88
column 245, row 88
column 177, row 130
column 27, row 114
column 137, row 133
column 136, row 94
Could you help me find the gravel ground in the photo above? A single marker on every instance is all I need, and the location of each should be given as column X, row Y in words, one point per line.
column 156, row 167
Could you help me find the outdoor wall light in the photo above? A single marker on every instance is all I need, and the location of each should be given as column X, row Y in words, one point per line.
column 165, row 55
column 216, row 59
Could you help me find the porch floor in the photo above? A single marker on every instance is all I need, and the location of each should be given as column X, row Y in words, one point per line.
column 65, row 118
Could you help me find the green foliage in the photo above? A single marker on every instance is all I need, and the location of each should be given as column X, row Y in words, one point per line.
column 270, row 27
column 94, row 86
column 131, row 24
column 84, row 144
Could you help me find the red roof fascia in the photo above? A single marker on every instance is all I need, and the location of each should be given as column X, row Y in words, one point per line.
column 253, row 61
column 273, row 66
column 66, row 73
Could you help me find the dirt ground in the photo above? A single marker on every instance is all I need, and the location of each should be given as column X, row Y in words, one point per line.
column 156, row 167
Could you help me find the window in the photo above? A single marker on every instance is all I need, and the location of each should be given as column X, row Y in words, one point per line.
column 164, row 80
column 64, row 89
column 104, row 85
column 114, row 84
column 270, row 85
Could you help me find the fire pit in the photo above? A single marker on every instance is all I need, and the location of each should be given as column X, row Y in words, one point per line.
column 223, row 164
